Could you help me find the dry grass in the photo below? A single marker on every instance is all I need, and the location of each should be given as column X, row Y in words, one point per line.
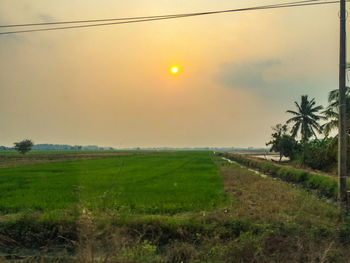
column 271, row 200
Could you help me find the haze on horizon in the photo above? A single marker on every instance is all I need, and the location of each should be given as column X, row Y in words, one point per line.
column 112, row 86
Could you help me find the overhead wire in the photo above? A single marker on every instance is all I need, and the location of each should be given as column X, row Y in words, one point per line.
column 133, row 18
column 158, row 18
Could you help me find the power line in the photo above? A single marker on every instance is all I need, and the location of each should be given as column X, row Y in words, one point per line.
column 167, row 17
column 155, row 18
column 135, row 18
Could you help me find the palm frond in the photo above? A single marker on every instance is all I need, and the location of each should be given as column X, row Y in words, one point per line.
column 306, row 118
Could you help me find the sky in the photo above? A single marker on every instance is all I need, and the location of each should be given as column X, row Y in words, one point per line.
column 112, row 86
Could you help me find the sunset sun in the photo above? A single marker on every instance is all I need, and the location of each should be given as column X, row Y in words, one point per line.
column 174, row 69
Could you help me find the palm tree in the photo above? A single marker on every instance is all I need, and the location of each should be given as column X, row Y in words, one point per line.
column 333, row 97
column 332, row 114
column 332, row 117
column 306, row 119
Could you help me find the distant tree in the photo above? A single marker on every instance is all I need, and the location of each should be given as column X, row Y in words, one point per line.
column 283, row 143
column 306, row 119
column 23, row 146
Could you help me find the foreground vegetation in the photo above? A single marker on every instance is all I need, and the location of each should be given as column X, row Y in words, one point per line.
column 260, row 220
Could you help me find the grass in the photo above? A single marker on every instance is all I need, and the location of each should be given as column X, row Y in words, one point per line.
column 261, row 219
column 265, row 200
column 324, row 185
column 151, row 183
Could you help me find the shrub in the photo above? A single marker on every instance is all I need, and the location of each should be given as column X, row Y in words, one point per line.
column 301, row 176
column 319, row 154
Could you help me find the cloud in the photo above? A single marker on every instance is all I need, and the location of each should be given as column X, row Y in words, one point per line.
column 251, row 74
column 272, row 79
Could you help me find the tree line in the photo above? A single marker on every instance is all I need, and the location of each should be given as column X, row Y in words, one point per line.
column 309, row 137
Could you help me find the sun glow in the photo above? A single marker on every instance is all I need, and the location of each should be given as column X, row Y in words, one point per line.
column 174, row 70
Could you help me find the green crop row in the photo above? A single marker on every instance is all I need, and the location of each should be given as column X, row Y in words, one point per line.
column 325, row 185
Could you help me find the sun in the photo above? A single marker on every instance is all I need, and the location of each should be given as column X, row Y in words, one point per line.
column 174, row 69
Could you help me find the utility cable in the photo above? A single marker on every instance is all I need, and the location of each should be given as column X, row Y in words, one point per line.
column 136, row 18
column 167, row 17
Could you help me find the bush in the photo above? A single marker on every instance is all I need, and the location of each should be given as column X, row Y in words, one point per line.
column 301, row 176
column 326, row 186
column 319, row 154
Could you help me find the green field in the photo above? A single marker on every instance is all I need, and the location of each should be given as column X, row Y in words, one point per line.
column 148, row 183
column 160, row 207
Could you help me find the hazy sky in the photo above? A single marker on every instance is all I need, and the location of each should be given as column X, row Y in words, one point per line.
column 111, row 86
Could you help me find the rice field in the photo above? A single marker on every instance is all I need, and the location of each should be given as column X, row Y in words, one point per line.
column 169, row 182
